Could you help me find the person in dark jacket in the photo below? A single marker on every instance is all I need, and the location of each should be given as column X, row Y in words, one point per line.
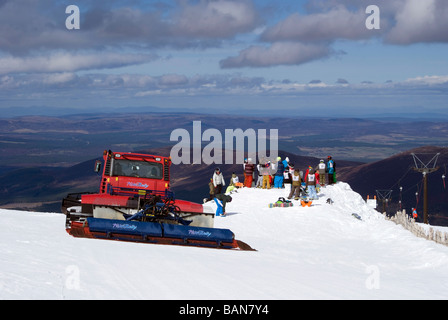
column 278, row 179
column 331, row 169
column 295, row 186
column 221, row 201
column 287, row 180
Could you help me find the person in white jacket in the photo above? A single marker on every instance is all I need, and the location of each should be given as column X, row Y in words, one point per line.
column 218, row 181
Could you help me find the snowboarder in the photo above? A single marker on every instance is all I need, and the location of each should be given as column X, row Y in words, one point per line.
column 287, row 181
column 259, row 183
column 278, row 178
column 306, row 172
column 234, row 180
column 266, row 173
column 414, row 213
column 286, row 163
column 211, row 192
column 221, row 201
column 295, row 186
column 331, row 169
column 311, row 184
column 321, row 169
column 249, row 169
column 231, row 189
column 218, row 181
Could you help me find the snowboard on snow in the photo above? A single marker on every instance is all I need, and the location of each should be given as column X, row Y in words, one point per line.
column 281, row 203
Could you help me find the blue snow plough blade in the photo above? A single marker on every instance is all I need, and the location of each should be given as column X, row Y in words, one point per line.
column 160, row 233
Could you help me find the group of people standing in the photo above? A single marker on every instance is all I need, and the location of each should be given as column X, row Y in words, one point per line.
column 277, row 174
column 283, row 174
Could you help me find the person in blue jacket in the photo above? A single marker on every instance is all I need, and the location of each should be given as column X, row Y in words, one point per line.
column 278, row 178
column 331, row 170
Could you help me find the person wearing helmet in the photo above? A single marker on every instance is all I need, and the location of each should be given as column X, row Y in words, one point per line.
column 321, row 169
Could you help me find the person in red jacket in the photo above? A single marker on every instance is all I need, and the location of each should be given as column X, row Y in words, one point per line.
column 414, row 213
column 249, row 169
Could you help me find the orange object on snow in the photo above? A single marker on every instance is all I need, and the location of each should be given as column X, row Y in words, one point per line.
column 306, row 203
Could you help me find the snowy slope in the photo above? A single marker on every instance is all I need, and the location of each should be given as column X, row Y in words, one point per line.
column 321, row 252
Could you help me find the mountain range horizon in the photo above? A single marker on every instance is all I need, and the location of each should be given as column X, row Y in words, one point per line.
column 45, row 157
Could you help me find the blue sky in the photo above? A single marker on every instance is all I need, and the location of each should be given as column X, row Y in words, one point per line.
column 303, row 57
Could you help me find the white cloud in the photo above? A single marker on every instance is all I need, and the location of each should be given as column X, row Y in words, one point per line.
column 67, row 62
column 199, row 90
column 428, row 80
column 29, row 26
column 279, row 53
column 173, row 80
column 58, row 78
column 420, row 21
column 222, row 18
column 338, row 23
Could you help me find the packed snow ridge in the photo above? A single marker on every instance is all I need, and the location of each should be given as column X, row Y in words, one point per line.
column 317, row 252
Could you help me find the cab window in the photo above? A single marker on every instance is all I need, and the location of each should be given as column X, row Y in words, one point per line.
column 139, row 169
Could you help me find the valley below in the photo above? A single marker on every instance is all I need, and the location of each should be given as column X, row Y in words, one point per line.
column 43, row 158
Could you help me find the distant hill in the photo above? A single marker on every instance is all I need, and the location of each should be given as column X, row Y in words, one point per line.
column 37, row 141
column 42, row 188
column 396, row 171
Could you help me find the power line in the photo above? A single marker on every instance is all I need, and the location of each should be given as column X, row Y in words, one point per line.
column 418, row 165
column 384, row 196
column 399, row 180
